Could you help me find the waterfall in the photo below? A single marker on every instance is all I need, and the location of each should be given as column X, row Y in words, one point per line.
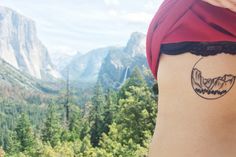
column 125, row 76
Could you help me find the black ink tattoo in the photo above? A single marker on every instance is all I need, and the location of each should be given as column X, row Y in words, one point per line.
column 211, row 88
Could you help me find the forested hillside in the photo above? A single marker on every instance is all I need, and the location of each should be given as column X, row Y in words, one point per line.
column 110, row 124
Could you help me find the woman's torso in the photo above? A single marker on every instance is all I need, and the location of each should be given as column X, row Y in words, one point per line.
column 191, row 123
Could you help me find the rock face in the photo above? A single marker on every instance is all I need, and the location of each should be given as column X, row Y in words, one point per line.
column 136, row 45
column 62, row 60
column 85, row 68
column 119, row 63
column 20, row 46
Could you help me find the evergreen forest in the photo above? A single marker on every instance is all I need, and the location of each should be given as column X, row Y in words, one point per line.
column 107, row 123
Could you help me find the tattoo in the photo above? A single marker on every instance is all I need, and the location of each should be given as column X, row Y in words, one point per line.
column 211, row 88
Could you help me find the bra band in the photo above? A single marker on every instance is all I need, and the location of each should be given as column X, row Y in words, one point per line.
column 199, row 48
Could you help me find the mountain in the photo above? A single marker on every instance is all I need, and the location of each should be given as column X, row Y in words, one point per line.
column 17, row 84
column 111, row 66
column 136, row 45
column 62, row 60
column 85, row 68
column 20, row 46
column 119, row 63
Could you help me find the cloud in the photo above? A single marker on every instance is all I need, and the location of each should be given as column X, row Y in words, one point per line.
column 151, row 4
column 137, row 17
column 131, row 17
column 112, row 2
column 70, row 25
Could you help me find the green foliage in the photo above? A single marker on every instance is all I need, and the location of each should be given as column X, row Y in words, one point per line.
column 24, row 133
column 110, row 109
column 12, row 145
column 21, row 141
column 137, row 109
column 96, row 116
column 52, row 129
column 112, row 145
column 131, row 132
column 111, row 124
column 75, row 122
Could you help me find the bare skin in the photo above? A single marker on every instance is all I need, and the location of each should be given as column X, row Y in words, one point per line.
column 188, row 124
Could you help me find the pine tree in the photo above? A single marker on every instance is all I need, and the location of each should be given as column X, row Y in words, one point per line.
column 111, row 144
column 24, row 133
column 12, row 145
column 51, row 132
column 85, row 128
column 96, row 115
column 110, row 109
column 138, row 109
column 75, row 122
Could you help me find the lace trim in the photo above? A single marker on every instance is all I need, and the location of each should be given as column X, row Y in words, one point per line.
column 199, row 48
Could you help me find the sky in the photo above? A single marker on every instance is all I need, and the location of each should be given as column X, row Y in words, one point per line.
column 70, row 26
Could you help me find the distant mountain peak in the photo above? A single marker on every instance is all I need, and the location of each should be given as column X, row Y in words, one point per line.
column 138, row 35
column 136, row 44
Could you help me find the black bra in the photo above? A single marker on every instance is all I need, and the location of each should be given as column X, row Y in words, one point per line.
column 199, row 48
